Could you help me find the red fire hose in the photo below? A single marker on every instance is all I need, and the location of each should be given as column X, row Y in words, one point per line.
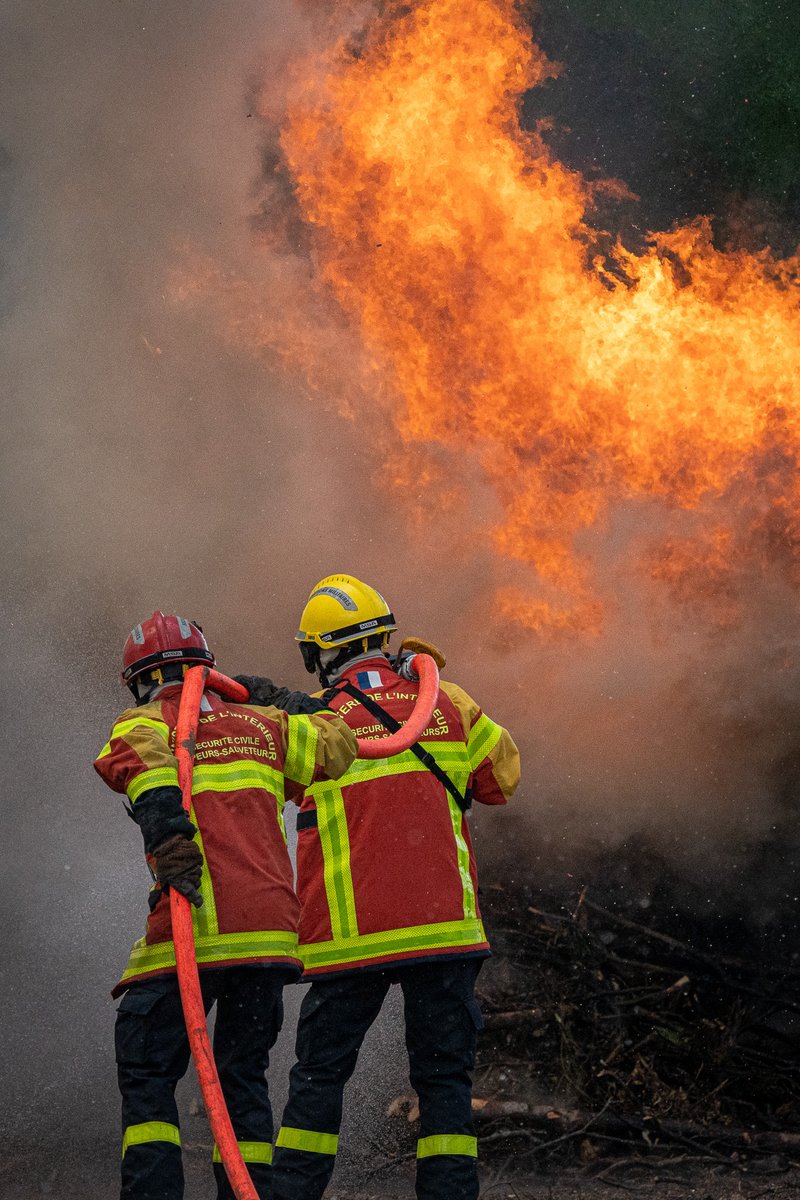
column 417, row 723
column 196, row 680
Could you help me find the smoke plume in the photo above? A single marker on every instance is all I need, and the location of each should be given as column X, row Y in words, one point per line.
column 146, row 465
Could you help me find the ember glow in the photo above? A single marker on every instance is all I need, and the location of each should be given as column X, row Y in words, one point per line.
column 498, row 342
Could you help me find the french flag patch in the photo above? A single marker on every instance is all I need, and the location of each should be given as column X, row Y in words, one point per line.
column 368, row 680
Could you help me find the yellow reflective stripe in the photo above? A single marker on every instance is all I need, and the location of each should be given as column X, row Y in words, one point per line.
column 307, row 1139
column 150, row 1131
column 251, row 1152
column 335, row 843
column 224, row 947
column 281, row 807
column 301, row 749
column 462, row 854
column 235, row 776
column 365, row 769
column 447, row 1143
column 205, row 924
column 483, row 737
column 157, row 777
column 123, row 727
column 443, row 935
column 451, row 757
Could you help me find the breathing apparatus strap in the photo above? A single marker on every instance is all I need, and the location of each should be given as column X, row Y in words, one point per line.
column 464, row 802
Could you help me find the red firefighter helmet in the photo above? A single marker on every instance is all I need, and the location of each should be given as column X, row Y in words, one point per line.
column 163, row 639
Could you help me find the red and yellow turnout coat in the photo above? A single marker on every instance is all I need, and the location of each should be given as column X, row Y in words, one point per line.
column 245, row 757
column 385, row 866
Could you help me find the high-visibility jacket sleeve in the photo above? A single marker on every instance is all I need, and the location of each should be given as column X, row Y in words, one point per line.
column 137, row 761
column 493, row 755
column 337, row 745
column 316, row 746
column 137, row 756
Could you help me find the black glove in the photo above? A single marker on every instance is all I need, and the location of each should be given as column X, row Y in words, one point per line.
column 264, row 691
column 261, row 689
column 160, row 814
column 178, row 863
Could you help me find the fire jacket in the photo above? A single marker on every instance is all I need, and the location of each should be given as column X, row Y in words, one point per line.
column 385, row 866
column 244, row 755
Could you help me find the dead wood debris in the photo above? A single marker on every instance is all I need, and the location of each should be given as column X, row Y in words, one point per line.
column 612, row 1035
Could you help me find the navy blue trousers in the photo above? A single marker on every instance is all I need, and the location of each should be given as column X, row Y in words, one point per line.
column 152, row 1051
column 442, row 1019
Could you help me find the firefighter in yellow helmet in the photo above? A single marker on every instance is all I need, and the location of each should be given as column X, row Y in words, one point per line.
column 343, row 619
column 387, row 884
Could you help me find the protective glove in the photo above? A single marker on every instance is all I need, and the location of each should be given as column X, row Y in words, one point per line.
column 264, row 691
column 408, row 648
column 178, row 863
column 160, row 814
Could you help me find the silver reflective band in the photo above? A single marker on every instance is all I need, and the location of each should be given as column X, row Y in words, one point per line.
column 337, row 594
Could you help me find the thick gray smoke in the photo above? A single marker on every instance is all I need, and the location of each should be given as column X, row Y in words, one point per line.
column 149, row 463
column 145, row 465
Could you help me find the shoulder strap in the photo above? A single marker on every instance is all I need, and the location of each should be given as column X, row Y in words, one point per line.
column 425, row 757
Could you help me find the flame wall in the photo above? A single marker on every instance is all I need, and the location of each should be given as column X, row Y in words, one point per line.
column 598, row 442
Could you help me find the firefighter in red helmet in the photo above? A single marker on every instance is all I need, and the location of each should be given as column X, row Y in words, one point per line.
column 387, row 884
column 229, row 858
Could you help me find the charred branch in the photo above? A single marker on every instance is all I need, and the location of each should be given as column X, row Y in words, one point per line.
column 603, row 1030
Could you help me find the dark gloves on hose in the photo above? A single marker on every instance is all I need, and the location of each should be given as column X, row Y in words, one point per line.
column 160, row 814
column 264, row 691
column 178, row 863
column 261, row 689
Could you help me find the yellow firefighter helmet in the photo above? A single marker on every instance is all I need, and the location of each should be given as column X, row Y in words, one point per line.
column 342, row 609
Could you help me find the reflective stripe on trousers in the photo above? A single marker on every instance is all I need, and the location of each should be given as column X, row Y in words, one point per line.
column 442, row 1020
column 153, row 1054
column 447, row 1143
column 309, row 1140
column 150, row 1131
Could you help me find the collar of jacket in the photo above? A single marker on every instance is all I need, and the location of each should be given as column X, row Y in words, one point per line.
column 159, row 692
column 364, row 661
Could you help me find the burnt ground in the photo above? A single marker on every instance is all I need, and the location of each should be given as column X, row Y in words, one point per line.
column 699, row 1185
column 90, row 1173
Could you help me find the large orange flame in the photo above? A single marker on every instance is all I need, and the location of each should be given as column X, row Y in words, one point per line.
column 575, row 382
